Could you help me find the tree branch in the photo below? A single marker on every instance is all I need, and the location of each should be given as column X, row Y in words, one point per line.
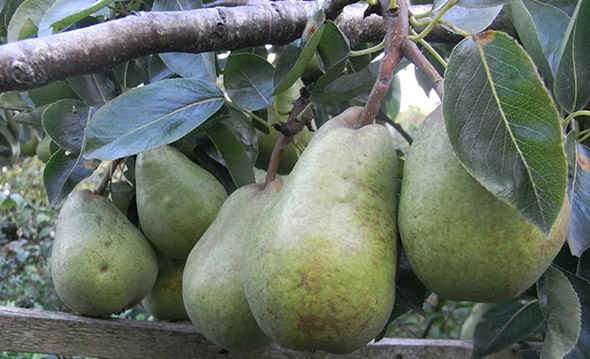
column 35, row 62
column 413, row 54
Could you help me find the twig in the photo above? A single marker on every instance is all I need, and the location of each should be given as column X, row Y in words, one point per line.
column 396, row 24
column 413, row 54
column 383, row 116
column 106, row 179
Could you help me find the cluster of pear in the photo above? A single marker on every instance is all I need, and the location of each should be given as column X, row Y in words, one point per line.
column 309, row 263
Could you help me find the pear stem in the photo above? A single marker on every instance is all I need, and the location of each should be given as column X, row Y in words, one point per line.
column 106, row 179
column 299, row 117
column 413, row 54
column 396, row 22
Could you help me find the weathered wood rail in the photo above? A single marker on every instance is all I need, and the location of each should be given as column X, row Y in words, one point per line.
column 36, row 331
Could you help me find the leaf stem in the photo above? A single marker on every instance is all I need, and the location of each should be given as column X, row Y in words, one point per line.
column 574, row 114
column 248, row 113
column 413, row 54
column 431, row 49
column 434, row 21
column 583, row 136
column 368, row 51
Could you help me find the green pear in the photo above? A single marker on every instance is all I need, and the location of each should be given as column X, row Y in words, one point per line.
column 30, row 148
column 45, row 148
column 100, row 263
column 176, row 200
column 319, row 268
column 164, row 301
column 212, row 283
column 462, row 241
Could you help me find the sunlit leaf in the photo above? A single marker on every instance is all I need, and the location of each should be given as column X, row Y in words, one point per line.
column 561, row 308
column 333, row 46
column 29, row 12
column 64, row 13
column 504, row 127
column 470, row 18
column 150, row 116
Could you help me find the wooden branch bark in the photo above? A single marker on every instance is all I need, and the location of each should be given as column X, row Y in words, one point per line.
column 29, row 330
column 35, row 62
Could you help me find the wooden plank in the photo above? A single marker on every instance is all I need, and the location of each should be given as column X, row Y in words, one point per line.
column 36, row 331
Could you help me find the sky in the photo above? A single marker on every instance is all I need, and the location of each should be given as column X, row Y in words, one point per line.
column 413, row 94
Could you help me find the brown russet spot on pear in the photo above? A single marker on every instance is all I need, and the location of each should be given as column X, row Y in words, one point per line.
column 462, row 241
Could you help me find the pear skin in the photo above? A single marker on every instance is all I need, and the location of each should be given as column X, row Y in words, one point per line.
column 176, row 200
column 463, row 242
column 164, row 301
column 212, row 282
column 319, row 268
column 100, row 263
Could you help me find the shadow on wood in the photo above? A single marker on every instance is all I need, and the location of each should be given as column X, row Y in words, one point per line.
column 36, row 331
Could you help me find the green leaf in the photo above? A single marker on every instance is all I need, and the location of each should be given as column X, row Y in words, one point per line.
column 579, row 195
column 64, row 13
column 582, row 288
column 345, row 87
column 28, row 13
column 284, row 79
column 542, row 42
column 243, row 129
column 122, row 194
column 248, row 81
column 129, row 75
column 233, row 153
column 504, row 127
column 506, row 323
column 95, row 89
column 561, row 307
column 198, row 66
column 52, row 92
column 63, row 172
column 583, row 270
column 176, row 5
column 150, row 116
column 334, row 45
column 570, row 87
column 31, row 118
column 9, row 149
column 157, row 69
column 14, row 100
column 468, row 18
column 65, row 121
column 393, row 98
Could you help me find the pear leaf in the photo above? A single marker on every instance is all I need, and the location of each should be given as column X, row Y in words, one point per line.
column 14, row 100
column 50, row 93
column 176, row 5
column 542, row 42
column 128, row 75
column 65, row 121
column 233, row 153
column 150, row 116
column 64, row 13
column 9, row 149
column 288, row 72
column 570, row 87
column 469, row 18
column 28, row 13
column 579, row 195
column 582, row 288
column 344, row 87
column 504, row 127
column 63, row 172
column 248, row 81
column 198, row 66
column 505, row 324
column 561, row 307
column 583, row 270
column 95, row 89
column 334, row 45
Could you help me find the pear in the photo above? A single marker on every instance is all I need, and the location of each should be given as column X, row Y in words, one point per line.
column 164, row 301
column 212, row 282
column 176, row 200
column 319, row 268
column 45, row 148
column 100, row 263
column 462, row 241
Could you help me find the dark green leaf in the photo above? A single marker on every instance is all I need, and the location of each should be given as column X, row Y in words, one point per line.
column 469, row 18
column 561, row 307
column 15, row 100
column 244, row 131
column 150, row 116
column 198, row 66
column 582, row 348
column 176, row 5
column 31, row 118
column 95, row 89
column 122, row 194
column 129, row 75
column 285, row 65
column 50, row 93
column 248, row 81
column 233, row 153
column 393, row 98
column 333, row 46
column 504, row 127
column 28, row 13
column 542, row 42
column 570, row 87
column 157, row 69
column 584, row 266
column 284, row 79
column 579, row 195
column 506, row 323
column 64, row 13
column 345, row 87
column 9, row 150
column 63, row 172
column 65, row 121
